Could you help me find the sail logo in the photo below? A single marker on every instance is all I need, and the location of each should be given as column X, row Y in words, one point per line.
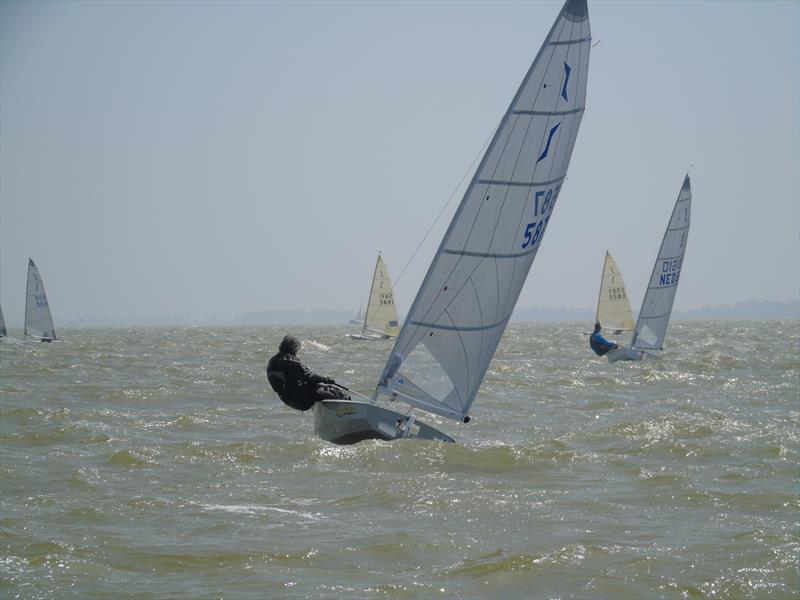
column 40, row 299
column 549, row 139
column 567, row 71
column 670, row 272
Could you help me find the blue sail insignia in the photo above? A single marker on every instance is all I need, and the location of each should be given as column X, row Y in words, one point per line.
column 567, row 71
column 549, row 139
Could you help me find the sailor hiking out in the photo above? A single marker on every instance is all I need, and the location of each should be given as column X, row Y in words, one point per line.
column 599, row 344
column 296, row 385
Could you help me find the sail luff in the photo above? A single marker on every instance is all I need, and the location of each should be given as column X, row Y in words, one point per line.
column 600, row 290
column 479, row 269
column 27, row 293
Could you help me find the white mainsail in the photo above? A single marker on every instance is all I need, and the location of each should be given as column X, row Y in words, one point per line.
column 38, row 320
column 613, row 307
column 466, row 299
column 657, row 304
column 381, row 317
column 3, row 331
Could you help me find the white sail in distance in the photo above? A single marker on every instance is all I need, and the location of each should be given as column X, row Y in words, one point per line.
column 381, row 317
column 466, row 299
column 613, row 306
column 660, row 296
column 38, row 320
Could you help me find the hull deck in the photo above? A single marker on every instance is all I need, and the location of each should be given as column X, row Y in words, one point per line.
column 351, row 421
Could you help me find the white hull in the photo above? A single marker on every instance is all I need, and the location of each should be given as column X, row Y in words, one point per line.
column 351, row 421
column 623, row 353
column 367, row 337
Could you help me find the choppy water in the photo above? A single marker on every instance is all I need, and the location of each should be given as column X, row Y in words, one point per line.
column 154, row 463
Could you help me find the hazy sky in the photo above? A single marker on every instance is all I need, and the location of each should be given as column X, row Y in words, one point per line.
column 215, row 158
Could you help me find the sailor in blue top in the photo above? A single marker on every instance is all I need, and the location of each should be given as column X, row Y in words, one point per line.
column 598, row 343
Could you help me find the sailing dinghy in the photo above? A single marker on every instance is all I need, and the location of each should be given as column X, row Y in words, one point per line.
column 651, row 328
column 380, row 322
column 613, row 306
column 38, row 320
column 359, row 318
column 465, row 301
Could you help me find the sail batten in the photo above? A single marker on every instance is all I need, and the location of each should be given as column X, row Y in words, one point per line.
column 520, row 183
column 568, row 42
column 486, row 254
column 548, row 112
column 465, row 301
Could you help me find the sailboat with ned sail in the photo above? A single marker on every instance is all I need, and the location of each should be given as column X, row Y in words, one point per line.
column 651, row 327
column 380, row 322
column 38, row 320
column 455, row 323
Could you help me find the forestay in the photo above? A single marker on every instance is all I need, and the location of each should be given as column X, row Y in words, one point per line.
column 657, row 304
column 381, row 311
column 462, row 308
column 38, row 321
column 613, row 306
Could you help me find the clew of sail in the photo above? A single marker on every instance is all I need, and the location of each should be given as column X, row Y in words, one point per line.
column 38, row 320
column 657, row 304
column 466, row 299
column 613, row 306
column 381, row 317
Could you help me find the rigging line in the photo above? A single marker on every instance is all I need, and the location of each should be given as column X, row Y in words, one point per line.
column 450, row 199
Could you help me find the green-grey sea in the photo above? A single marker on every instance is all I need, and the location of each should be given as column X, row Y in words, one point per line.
column 156, row 463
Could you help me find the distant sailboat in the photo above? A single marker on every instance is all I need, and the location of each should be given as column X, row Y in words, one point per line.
column 359, row 318
column 381, row 321
column 38, row 320
column 3, row 332
column 461, row 310
column 613, row 306
column 651, row 328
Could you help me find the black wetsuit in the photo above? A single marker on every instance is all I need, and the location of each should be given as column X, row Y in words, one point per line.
column 296, row 385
